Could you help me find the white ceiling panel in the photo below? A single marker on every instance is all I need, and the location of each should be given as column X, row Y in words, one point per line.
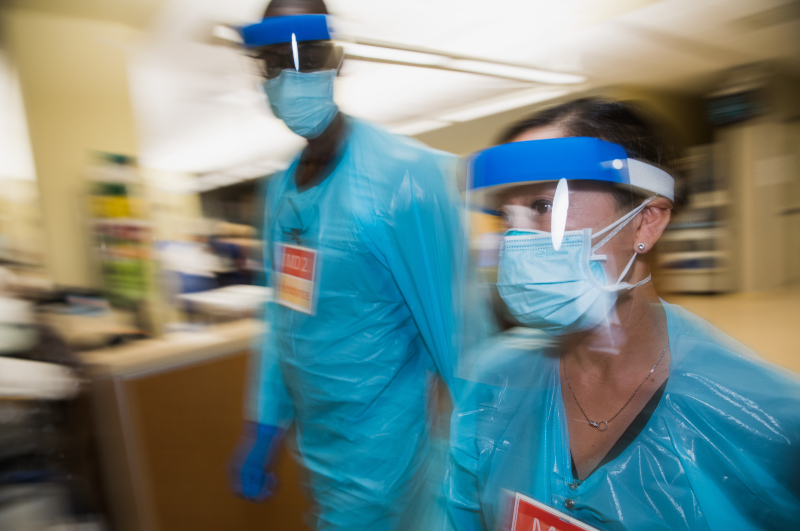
column 199, row 109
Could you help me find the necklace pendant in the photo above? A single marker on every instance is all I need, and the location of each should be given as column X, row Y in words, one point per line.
column 601, row 426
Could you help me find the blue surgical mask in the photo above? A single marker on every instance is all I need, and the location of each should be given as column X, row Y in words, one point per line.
column 562, row 291
column 303, row 100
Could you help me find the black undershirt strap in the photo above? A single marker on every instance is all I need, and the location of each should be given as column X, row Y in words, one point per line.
column 631, row 432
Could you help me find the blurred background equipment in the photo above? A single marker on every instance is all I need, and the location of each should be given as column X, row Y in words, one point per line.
column 695, row 251
column 740, row 230
column 755, row 113
column 49, row 474
column 122, row 234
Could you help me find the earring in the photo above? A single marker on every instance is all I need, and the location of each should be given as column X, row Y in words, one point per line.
column 641, row 247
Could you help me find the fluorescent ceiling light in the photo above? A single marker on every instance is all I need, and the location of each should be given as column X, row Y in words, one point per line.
column 218, row 179
column 256, row 170
column 244, row 172
column 474, row 66
column 241, row 97
column 393, row 55
column 515, row 72
column 378, row 52
column 272, row 165
column 498, row 106
column 226, row 33
column 421, row 126
column 239, row 174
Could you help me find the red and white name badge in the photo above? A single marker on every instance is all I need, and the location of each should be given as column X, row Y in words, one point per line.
column 531, row 515
column 296, row 277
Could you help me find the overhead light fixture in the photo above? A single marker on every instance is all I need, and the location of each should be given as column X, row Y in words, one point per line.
column 236, row 175
column 225, row 33
column 498, row 106
column 418, row 127
column 272, row 165
column 257, row 169
column 384, row 52
column 515, row 72
column 244, row 172
column 392, row 55
column 216, row 180
column 396, row 54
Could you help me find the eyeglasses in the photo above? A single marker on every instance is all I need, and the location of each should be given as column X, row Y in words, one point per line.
column 312, row 56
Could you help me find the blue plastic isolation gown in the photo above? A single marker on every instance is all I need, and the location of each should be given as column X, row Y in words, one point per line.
column 355, row 376
column 720, row 452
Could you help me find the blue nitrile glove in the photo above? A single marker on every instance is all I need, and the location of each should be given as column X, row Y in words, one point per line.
column 251, row 475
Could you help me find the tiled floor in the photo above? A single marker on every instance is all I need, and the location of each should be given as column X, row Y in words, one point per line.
column 767, row 322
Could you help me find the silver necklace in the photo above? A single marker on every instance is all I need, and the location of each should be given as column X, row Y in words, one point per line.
column 603, row 424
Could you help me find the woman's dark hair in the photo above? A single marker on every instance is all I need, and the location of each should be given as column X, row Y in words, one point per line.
column 617, row 122
column 315, row 7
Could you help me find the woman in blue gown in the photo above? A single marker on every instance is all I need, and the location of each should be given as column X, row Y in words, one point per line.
column 609, row 408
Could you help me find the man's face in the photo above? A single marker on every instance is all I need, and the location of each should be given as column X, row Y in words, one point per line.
column 312, row 56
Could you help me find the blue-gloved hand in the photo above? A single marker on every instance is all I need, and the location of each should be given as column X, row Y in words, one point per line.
column 251, row 475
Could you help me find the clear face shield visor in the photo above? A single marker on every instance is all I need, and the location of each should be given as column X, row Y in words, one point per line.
column 558, row 214
column 551, row 270
column 529, row 184
column 301, row 43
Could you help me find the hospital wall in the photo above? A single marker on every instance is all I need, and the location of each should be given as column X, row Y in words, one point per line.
column 75, row 87
column 73, row 72
column 21, row 221
column 681, row 113
column 792, row 211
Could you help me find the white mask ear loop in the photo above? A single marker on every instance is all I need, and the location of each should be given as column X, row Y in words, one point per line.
column 619, row 224
column 619, row 285
column 627, row 268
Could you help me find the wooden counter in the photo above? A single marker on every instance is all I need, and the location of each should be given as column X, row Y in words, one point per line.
column 169, row 413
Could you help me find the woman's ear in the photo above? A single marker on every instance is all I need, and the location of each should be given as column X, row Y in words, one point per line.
column 655, row 218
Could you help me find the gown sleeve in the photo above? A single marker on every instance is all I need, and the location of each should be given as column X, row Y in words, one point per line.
column 734, row 419
column 461, row 484
column 415, row 229
column 270, row 403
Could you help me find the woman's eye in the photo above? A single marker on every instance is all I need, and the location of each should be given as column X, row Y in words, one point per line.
column 505, row 217
column 541, row 206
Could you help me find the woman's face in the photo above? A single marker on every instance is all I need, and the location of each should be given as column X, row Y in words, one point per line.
column 530, row 207
column 591, row 205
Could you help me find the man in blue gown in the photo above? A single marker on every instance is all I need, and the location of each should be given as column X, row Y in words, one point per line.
column 364, row 243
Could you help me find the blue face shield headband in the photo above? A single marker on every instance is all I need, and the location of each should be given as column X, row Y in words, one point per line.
column 577, row 158
column 555, row 281
column 277, row 30
column 561, row 160
column 303, row 96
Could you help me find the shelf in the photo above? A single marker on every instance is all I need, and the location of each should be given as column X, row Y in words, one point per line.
column 693, row 234
column 667, row 258
column 713, row 199
column 694, row 225
column 696, row 271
